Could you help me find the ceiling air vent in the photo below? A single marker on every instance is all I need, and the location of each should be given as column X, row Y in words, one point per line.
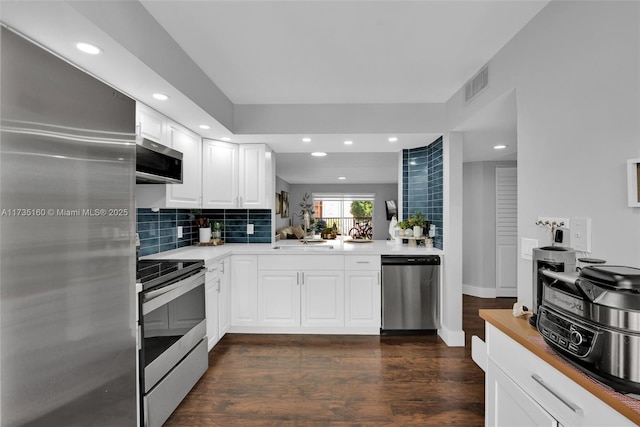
column 477, row 84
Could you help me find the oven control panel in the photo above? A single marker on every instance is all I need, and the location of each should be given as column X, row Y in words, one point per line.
column 568, row 335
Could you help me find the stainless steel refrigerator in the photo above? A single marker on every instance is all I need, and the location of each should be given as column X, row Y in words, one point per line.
column 67, row 253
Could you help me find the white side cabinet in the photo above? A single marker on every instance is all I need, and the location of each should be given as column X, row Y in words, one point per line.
column 244, row 292
column 362, row 291
column 224, row 297
column 236, row 176
column 522, row 389
column 212, row 302
column 150, row 124
column 322, row 298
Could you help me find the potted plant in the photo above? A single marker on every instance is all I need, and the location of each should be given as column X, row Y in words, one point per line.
column 217, row 230
column 328, row 233
column 418, row 222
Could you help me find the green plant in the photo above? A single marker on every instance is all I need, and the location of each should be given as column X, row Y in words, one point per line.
column 402, row 225
column 417, row 219
column 362, row 210
column 217, row 226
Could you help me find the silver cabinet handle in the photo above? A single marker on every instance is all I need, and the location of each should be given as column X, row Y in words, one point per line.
column 298, row 278
column 241, row 202
column 303, row 277
column 362, row 262
column 575, row 408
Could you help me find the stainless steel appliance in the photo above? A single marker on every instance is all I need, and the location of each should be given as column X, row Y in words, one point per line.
column 157, row 164
column 67, row 282
column 173, row 356
column 593, row 320
column 554, row 258
column 410, row 293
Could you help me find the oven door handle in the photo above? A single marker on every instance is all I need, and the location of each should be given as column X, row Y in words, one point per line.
column 159, row 297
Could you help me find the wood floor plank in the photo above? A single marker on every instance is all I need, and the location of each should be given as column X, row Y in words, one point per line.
column 325, row 380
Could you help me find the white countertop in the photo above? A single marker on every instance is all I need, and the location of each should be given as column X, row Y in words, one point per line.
column 212, row 253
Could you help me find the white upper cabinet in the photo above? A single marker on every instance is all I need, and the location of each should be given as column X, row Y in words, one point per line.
column 220, row 180
column 187, row 194
column 150, row 124
column 237, row 176
column 153, row 125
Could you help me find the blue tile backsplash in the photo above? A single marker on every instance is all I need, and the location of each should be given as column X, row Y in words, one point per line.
column 158, row 230
column 422, row 185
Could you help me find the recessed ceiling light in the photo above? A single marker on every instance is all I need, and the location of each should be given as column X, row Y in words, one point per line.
column 342, row 177
column 499, row 147
column 226, row 138
column 205, row 127
column 306, row 139
column 88, row 48
column 348, row 142
column 160, row 96
column 318, row 154
column 393, row 139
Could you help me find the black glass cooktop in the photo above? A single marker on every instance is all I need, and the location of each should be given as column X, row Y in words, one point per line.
column 154, row 273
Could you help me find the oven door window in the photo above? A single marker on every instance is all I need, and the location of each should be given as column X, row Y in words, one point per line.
column 170, row 322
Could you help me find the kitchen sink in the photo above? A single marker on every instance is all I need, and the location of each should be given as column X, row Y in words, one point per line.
column 302, row 247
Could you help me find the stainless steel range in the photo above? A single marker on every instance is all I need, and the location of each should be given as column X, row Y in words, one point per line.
column 593, row 320
column 173, row 355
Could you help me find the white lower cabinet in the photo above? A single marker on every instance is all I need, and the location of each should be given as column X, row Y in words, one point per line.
column 362, row 299
column 522, row 389
column 224, row 296
column 300, row 298
column 244, row 292
column 510, row 405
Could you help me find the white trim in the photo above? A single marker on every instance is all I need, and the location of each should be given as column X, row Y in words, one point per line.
column 479, row 292
column 451, row 338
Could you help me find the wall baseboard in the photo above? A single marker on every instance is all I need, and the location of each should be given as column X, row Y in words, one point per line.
column 452, row 338
column 477, row 291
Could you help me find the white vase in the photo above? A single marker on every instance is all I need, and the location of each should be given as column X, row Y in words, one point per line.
column 408, row 232
column 204, row 235
column 417, row 231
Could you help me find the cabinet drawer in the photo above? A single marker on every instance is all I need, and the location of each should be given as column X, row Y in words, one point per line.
column 301, row 262
column 362, row 262
column 565, row 400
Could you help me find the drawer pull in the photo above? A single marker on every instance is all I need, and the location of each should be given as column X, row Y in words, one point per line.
column 575, row 408
column 362, row 262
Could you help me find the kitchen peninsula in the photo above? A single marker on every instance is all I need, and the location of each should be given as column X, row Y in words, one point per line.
column 329, row 287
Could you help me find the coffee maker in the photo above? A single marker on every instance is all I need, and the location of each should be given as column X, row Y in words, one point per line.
column 554, row 258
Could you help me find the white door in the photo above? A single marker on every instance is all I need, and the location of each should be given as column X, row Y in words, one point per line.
column 244, row 292
column 211, row 301
column 322, row 294
column 278, row 298
column 224, row 297
column 508, row 405
column 506, row 231
column 251, row 184
column 362, row 298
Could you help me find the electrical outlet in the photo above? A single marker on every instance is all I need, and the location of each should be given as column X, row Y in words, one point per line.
column 581, row 234
column 249, row 228
column 179, row 232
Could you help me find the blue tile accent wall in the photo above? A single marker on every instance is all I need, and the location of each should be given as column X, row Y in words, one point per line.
column 422, row 185
column 158, row 232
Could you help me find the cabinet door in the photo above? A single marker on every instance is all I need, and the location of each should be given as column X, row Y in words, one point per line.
column 252, row 177
column 224, row 302
column 362, row 298
column 150, row 123
column 212, row 302
column 244, row 293
column 508, row 405
column 278, row 298
column 220, row 175
column 322, row 298
column 189, row 193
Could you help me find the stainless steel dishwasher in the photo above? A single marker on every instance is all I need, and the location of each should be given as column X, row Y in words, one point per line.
column 410, row 293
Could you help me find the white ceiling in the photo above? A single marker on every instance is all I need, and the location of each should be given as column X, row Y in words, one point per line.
column 300, row 52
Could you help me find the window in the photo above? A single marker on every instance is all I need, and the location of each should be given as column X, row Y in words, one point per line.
column 344, row 211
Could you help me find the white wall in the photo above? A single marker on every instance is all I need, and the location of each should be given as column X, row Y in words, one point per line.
column 575, row 68
column 479, row 227
column 382, row 192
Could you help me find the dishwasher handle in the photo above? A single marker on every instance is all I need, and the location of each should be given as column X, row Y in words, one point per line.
column 410, row 260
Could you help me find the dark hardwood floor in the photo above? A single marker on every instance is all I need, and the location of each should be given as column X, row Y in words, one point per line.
column 319, row 380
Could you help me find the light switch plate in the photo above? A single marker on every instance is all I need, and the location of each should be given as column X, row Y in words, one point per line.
column 179, row 232
column 249, row 228
column 581, row 234
column 526, row 248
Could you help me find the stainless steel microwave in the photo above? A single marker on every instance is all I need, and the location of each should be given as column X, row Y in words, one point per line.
column 157, row 163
